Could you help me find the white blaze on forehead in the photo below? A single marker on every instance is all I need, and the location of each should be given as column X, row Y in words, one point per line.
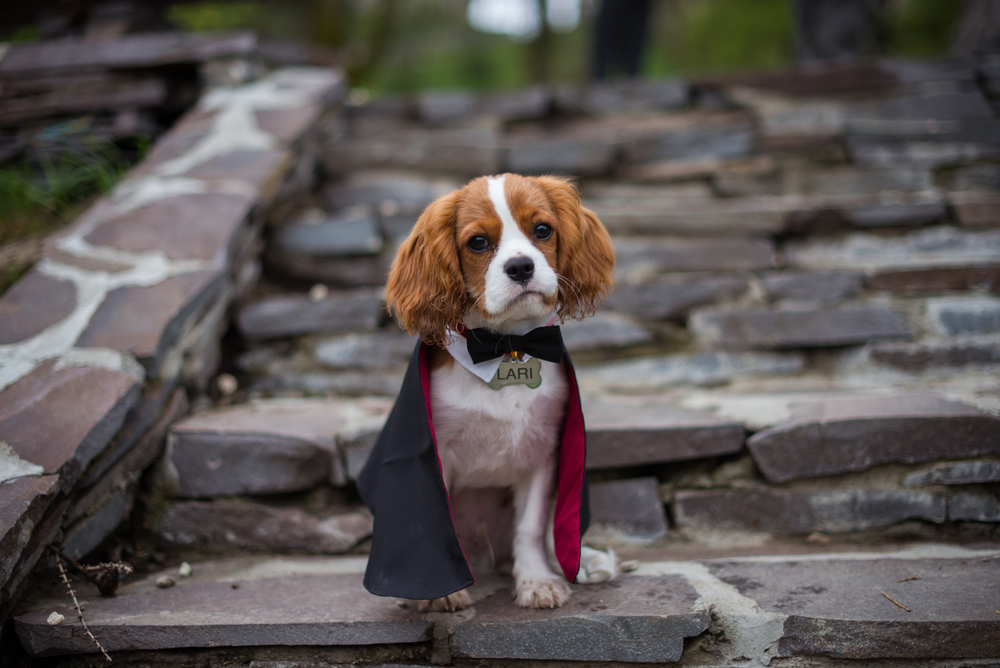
column 500, row 288
column 499, row 198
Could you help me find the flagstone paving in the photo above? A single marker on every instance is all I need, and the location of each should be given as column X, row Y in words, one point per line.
column 802, row 348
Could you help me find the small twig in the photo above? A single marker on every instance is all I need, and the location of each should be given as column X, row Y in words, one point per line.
column 76, row 604
column 912, row 577
column 896, row 602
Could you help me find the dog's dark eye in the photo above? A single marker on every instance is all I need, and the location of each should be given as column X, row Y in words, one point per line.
column 478, row 244
column 543, row 231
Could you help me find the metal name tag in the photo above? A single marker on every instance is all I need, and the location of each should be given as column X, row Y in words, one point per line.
column 513, row 372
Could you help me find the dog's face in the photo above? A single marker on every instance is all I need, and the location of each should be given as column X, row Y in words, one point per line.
column 502, row 250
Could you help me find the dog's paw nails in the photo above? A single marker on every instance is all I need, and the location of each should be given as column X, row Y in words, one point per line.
column 450, row 603
column 542, row 593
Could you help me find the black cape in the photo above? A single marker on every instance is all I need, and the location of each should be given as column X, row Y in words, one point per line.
column 415, row 550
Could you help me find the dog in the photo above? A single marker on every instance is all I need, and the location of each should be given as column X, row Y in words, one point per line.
column 504, row 257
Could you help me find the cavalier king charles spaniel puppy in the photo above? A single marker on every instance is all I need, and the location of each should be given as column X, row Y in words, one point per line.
column 508, row 254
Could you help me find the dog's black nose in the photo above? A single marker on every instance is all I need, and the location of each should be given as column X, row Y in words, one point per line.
column 520, row 269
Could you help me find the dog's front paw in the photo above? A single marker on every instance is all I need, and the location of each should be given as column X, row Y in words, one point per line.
column 542, row 593
column 450, row 603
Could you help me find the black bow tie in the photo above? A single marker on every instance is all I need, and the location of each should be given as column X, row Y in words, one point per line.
column 543, row 342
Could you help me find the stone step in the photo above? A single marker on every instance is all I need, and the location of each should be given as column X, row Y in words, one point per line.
column 716, row 610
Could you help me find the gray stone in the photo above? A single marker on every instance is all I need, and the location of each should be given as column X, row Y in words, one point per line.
column 755, row 217
column 33, row 304
column 356, row 448
column 335, row 236
column 851, row 180
column 798, row 328
column 835, row 608
column 294, row 315
column 633, row 619
column 344, row 272
column 965, row 316
column 323, row 609
column 924, row 355
column 976, row 177
column 622, row 97
column 264, row 447
column 724, row 138
column 630, row 508
column 357, row 383
column 561, row 156
column 378, row 350
column 224, row 525
column 897, row 215
column 958, row 473
column 649, row 374
column 825, row 287
column 519, row 105
column 149, row 321
column 441, row 108
column 936, row 279
column 978, row 506
column 935, row 247
column 855, row 434
column 62, row 418
column 672, row 297
column 637, row 258
column 798, row 513
column 622, row 433
column 883, row 154
column 976, row 209
column 86, row 535
column 23, row 501
column 604, row 330
column 460, row 152
column 917, row 114
column 395, row 191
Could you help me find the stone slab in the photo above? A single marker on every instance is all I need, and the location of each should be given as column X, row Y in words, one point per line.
column 378, row 350
column 125, row 52
column 263, row 169
column 604, row 330
column 630, row 508
column 200, row 226
column 976, row 209
column 924, row 355
column 797, row 328
column 964, row 316
column 630, row 619
column 89, row 532
column 395, row 191
column 344, row 272
column 649, row 374
column 224, row 525
column 637, row 258
column 958, row 473
column 924, row 249
column 334, row 236
column 974, row 506
column 61, row 418
column 799, row 513
column 459, row 152
column 672, row 297
column 148, row 321
column 725, row 140
column 23, row 501
column 622, row 97
column 293, row 610
column 579, row 157
column 841, row 435
column 265, row 447
column 937, row 279
column 294, row 315
column 825, row 287
column 753, row 217
column 625, row 433
column 835, row 607
column 33, row 304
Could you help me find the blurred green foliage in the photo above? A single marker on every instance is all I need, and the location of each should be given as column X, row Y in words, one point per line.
column 409, row 45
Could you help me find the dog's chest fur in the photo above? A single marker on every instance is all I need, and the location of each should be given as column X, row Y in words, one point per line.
column 493, row 438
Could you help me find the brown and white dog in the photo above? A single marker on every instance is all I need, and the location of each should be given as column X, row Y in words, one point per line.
column 507, row 253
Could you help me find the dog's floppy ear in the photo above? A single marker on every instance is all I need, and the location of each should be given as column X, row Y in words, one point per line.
column 425, row 290
column 586, row 257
